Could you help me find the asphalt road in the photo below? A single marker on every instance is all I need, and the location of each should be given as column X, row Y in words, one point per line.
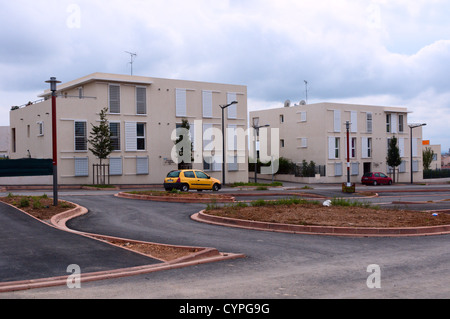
column 276, row 265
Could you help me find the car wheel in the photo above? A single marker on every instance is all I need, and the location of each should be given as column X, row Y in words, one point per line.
column 375, row 183
column 390, row 183
column 168, row 189
column 185, row 188
column 215, row 188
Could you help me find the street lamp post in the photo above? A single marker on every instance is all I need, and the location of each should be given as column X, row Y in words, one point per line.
column 53, row 83
column 257, row 127
column 347, row 126
column 411, row 126
column 223, row 107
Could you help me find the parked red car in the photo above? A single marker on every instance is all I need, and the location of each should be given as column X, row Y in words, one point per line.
column 376, row 178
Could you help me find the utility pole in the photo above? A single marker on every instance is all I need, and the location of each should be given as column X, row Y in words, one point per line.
column 53, row 83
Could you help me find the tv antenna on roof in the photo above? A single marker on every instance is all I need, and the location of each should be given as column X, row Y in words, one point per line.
column 306, row 90
column 132, row 56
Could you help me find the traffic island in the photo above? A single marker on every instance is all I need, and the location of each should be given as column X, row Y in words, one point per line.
column 177, row 197
column 314, row 218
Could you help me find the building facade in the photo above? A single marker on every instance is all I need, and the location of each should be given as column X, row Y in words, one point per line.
column 143, row 113
column 318, row 132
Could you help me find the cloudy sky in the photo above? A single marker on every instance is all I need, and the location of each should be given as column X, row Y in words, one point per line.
column 377, row 52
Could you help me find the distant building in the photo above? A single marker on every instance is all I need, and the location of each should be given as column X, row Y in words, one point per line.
column 143, row 112
column 4, row 141
column 317, row 132
column 437, row 158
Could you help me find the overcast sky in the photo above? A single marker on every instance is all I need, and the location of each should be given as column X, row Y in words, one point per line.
column 376, row 52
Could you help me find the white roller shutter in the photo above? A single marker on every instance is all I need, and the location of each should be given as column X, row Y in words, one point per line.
column 180, row 102
column 130, row 136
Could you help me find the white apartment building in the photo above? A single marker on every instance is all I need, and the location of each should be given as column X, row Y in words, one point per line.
column 143, row 112
column 317, row 132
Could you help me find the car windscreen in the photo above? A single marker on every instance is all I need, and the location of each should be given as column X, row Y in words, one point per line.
column 174, row 174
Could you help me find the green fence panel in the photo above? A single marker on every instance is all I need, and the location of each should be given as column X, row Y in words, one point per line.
column 26, row 167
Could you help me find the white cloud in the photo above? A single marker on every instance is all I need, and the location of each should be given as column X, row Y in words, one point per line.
column 392, row 52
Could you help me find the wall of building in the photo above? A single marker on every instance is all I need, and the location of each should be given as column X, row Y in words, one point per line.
column 310, row 131
column 159, row 120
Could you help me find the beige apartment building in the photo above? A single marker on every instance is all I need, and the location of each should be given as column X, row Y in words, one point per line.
column 143, row 113
column 317, row 132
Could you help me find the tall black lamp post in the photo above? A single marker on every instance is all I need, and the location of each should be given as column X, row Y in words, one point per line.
column 256, row 127
column 223, row 107
column 411, row 126
column 53, row 83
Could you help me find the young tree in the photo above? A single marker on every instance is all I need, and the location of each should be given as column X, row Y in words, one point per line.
column 393, row 158
column 427, row 155
column 100, row 139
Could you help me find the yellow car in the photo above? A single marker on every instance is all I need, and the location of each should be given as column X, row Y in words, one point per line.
column 186, row 179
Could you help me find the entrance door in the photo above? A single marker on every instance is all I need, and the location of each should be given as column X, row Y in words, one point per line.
column 367, row 167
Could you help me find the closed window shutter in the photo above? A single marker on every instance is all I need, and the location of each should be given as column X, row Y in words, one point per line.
column 130, row 136
column 142, row 165
column 180, row 102
column 401, row 146
column 303, row 116
column 232, row 138
column 207, row 137
column 207, row 104
column 331, row 147
column 394, row 123
column 232, row 163
column 232, row 109
column 365, row 147
column 337, row 120
column 115, row 166
column 354, row 121
column 141, row 100
column 114, row 98
column 81, row 166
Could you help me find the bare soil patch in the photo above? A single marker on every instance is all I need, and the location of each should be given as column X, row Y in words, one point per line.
column 190, row 194
column 335, row 216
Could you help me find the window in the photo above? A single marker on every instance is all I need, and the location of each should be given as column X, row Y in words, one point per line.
column 232, row 163
column 134, row 136
column 115, row 166
column 369, row 122
column 302, row 116
column 354, row 121
column 80, row 136
column 337, row 169
column 40, row 129
column 81, row 166
column 142, row 165
column 366, row 147
column 115, row 135
column 207, row 103
column 388, row 123
column 400, row 123
column 189, row 174
column 114, row 98
column 140, row 134
column 80, row 92
column 232, row 109
column 180, row 102
column 334, row 147
column 281, row 118
column 304, row 142
column 337, row 142
column 353, row 148
column 201, row 174
column 141, row 100
column 337, row 120
column 281, row 143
